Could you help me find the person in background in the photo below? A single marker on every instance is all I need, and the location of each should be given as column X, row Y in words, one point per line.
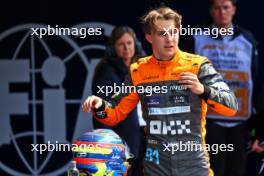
column 233, row 52
column 255, row 157
column 121, row 51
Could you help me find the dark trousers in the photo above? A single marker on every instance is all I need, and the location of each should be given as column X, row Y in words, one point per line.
column 227, row 163
column 255, row 164
column 137, row 164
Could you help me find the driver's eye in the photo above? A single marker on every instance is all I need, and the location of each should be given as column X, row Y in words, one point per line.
column 226, row 8
column 161, row 33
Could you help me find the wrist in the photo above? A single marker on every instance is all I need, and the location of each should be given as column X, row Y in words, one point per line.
column 99, row 112
column 206, row 93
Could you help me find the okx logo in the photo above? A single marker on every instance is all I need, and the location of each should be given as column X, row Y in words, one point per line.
column 172, row 127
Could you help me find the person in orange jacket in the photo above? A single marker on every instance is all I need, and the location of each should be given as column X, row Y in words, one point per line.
column 175, row 88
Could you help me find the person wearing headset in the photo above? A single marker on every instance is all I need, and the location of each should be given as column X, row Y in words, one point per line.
column 122, row 50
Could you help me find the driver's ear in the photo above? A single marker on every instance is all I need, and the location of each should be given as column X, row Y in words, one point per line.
column 234, row 10
column 148, row 38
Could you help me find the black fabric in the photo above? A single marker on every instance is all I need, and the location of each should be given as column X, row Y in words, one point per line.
column 206, row 93
column 255, row 164
column 227, row 163
column 256, row 123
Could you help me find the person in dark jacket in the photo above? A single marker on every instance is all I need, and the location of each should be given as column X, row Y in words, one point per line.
column 123, row 48
column 255, row 157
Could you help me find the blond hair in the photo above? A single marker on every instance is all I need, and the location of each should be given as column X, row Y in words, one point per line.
column 162, row 13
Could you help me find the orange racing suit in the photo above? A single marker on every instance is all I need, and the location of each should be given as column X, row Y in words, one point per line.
column 174, row 115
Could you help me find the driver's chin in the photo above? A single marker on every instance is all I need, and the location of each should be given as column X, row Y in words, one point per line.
column 167, row 55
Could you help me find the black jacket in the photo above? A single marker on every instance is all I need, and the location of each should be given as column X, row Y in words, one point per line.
column 112, row 70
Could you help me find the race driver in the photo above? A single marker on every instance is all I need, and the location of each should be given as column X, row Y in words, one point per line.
column 175, row 115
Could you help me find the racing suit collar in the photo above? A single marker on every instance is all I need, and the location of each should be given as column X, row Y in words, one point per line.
column 174, row 60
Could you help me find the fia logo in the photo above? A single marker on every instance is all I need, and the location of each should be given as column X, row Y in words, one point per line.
column 43, row 83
